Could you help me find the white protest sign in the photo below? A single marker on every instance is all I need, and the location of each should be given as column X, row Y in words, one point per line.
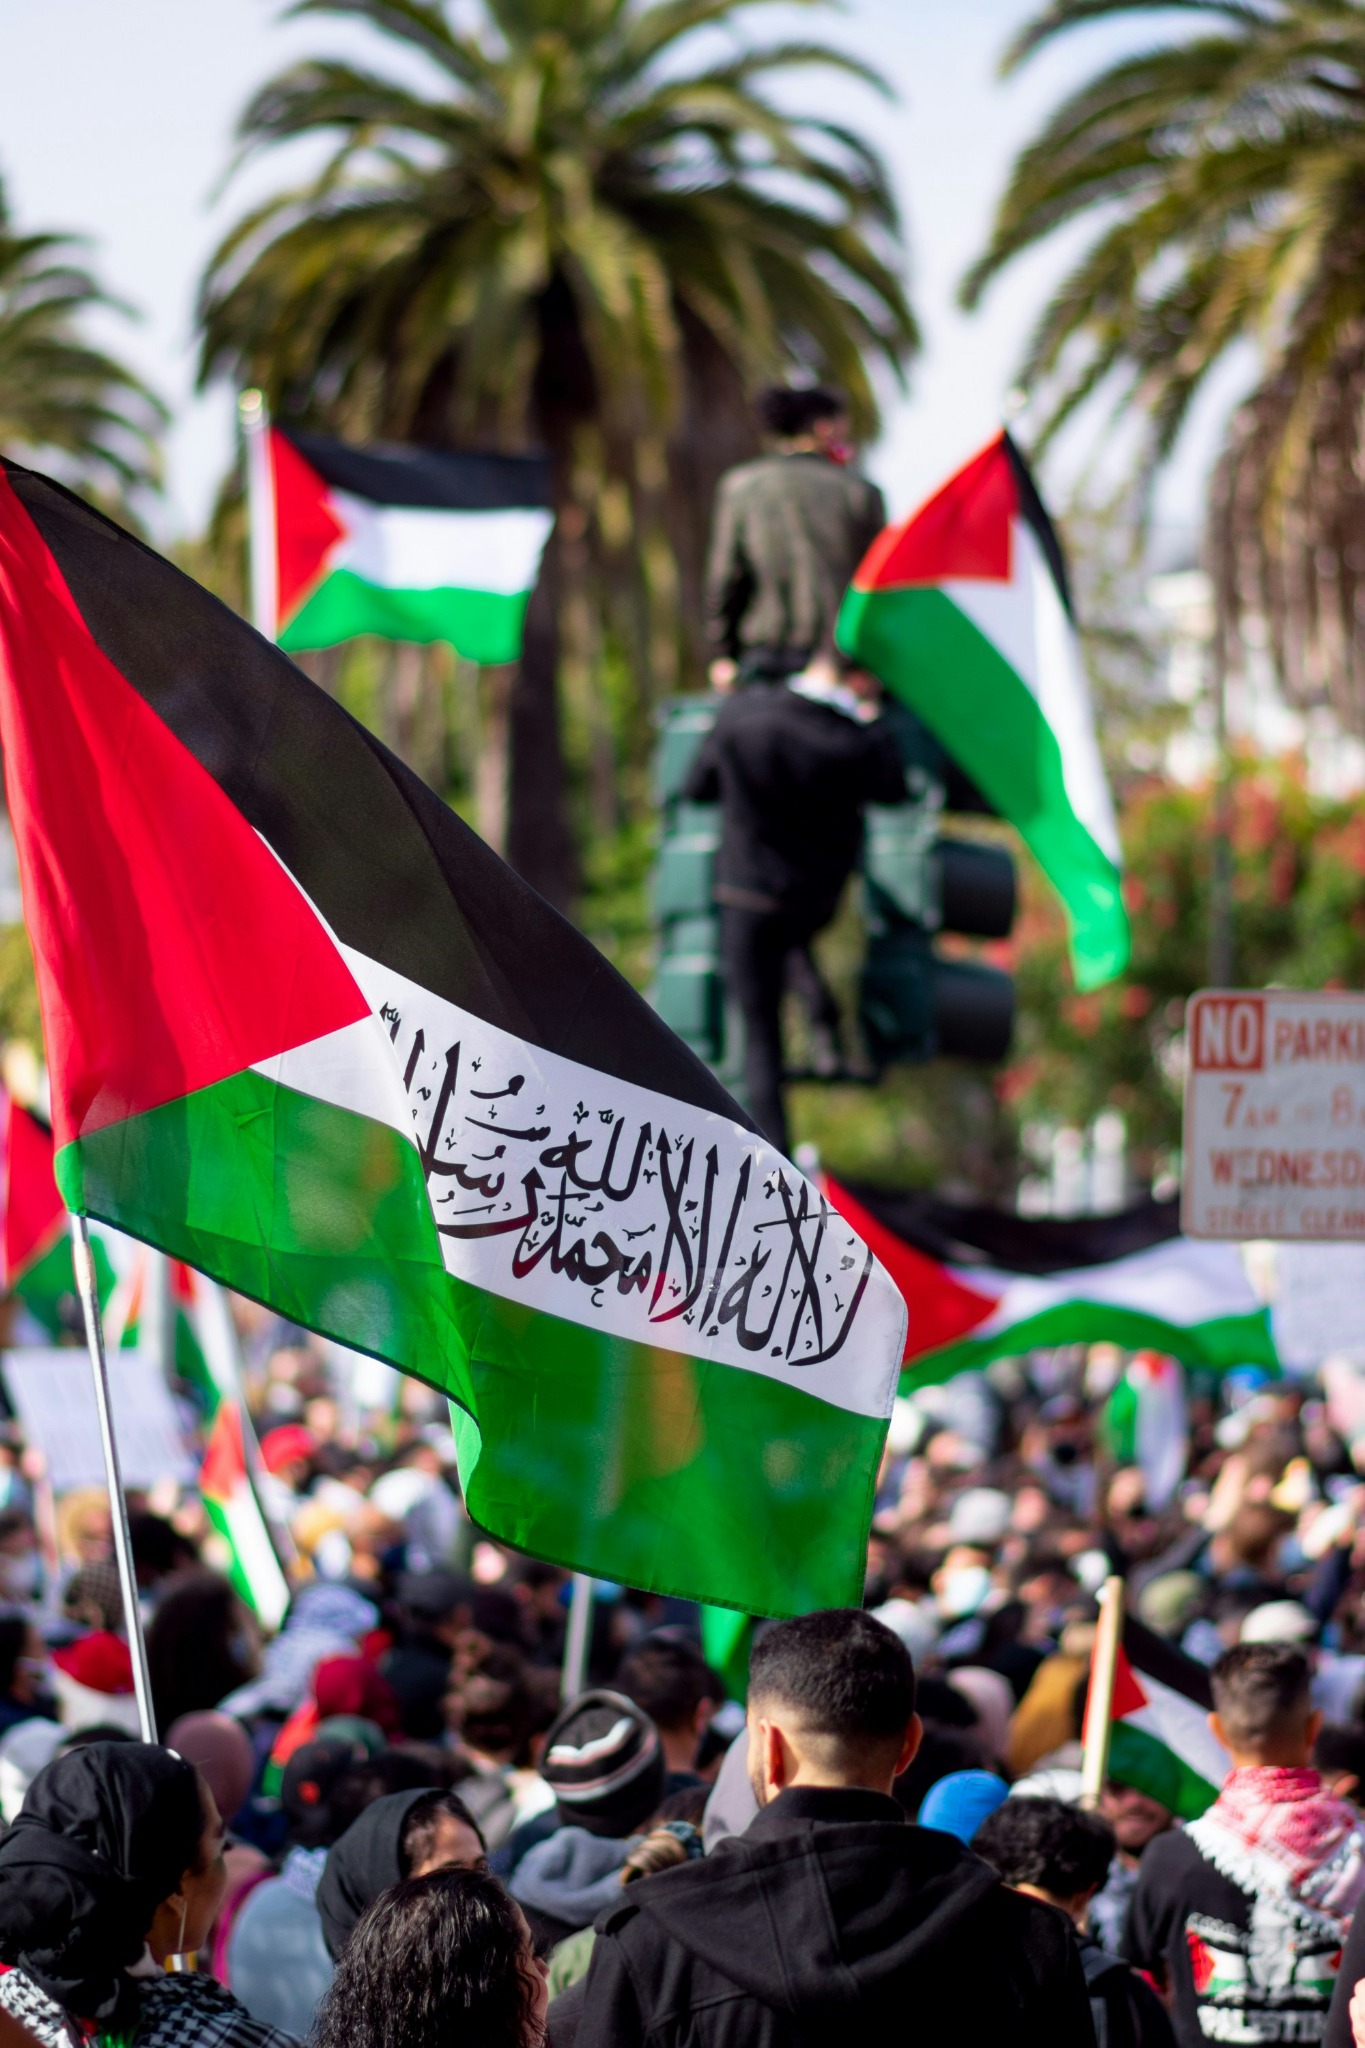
column 1274, row 1137
column 54, row 1396
column 1319, row 1305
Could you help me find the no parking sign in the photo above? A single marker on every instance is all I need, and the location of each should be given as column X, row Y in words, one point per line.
column 1274, row 1137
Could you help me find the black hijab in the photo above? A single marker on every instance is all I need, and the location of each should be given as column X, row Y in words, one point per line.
column 364, row 1863
column 103, row 1836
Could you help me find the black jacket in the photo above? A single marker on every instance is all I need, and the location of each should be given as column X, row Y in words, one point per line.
column 791, row 777
column 1240, row 1966
column 1125, row 2010
column 830, row 1920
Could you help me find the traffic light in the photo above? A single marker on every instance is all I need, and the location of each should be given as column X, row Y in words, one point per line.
column 913, row 1005
column 688, row 992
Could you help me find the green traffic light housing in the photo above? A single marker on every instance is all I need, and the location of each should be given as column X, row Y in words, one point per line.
column 913, row 1004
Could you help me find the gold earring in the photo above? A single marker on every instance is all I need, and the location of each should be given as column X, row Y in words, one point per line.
column 184, row 1910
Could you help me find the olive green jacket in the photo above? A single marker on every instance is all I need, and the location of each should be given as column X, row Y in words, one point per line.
column 789, row 532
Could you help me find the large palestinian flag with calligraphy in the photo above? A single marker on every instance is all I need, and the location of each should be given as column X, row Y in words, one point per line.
column 965, row 613
column 409, row 543
column 309, row 1034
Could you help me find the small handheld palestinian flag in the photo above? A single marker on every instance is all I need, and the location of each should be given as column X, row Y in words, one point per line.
column 235, row 1512
column 309, row 1034
column 33, row 1228
column 206, row 1355
column 1160, row 1741
column 1189, row 1300
column 406, row 543
column 34, row 1213
column 965, row 614
column 1146, row 1422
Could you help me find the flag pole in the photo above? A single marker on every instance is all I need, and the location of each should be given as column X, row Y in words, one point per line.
column 254, row 416
column 118, row 1505
column 576, row 1640
column 1100, row 1700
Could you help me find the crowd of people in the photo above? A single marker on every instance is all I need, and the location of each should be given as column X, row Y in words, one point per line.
column 382, row 1824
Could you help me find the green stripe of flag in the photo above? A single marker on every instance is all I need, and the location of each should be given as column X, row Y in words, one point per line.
column 586, row 1445
column 1217, row 1346
column 932, row 656
column 1144, row 1762
column 484, row 625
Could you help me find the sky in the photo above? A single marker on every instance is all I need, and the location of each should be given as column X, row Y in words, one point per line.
column 116, row 121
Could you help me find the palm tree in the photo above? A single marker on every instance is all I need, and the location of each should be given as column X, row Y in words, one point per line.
column 590, row 232
column 1225, row 169
column 63, row 402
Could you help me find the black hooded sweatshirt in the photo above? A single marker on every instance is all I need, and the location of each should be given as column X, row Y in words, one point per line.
column 830, row 1920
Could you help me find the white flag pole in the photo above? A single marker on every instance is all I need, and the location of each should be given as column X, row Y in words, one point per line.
column 254, row 415
column 575, row 1676
column 1100, row 1699
column 118, row 1505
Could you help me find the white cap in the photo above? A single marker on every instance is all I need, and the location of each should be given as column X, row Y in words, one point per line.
column 914, row 1621
column 1280, row 1621
column 981, row 1515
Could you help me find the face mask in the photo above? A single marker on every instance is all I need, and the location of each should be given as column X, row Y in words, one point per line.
column 963, row 1590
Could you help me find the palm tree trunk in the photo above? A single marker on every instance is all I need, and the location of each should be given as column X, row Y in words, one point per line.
column 490, row 761
column 539, row 843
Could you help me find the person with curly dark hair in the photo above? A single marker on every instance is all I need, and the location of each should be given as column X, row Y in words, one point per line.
column 1061, row 1855
column 437, row 1959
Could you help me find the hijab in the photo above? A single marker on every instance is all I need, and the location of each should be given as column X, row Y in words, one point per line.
column 993, row 1702
column 364, row 1863
column 221, row 1748
column 103, row 1836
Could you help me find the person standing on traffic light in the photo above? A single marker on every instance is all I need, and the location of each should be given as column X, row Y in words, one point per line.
column 792, row 768
column 790, row 529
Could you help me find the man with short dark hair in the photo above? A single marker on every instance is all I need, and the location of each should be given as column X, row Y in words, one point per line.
column 1061, row 1855
column 790, row 529
column 831, row 1912
column 1242, row 1913
column 672, row 1682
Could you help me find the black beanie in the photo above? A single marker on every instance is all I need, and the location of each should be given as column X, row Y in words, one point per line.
column 605, row 1763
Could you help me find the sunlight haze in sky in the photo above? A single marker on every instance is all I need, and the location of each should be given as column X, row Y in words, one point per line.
column 117, row 120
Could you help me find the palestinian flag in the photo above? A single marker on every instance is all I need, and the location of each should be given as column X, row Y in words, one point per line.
column 33, row 1233
column 1160, row 1291
column 1160, row 1741
column 965, row 614
column 405, row 543
column 205, row 1354
column 232, row 1507
column 1146, row 1422
column 307, row 1033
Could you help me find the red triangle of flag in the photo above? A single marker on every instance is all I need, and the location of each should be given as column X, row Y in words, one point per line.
column 172, row 948
column 964, row 530
column 224, row 1466
column 307, row 528
column 34, row 1214
column 1128, row 1696
column 941, row 1309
